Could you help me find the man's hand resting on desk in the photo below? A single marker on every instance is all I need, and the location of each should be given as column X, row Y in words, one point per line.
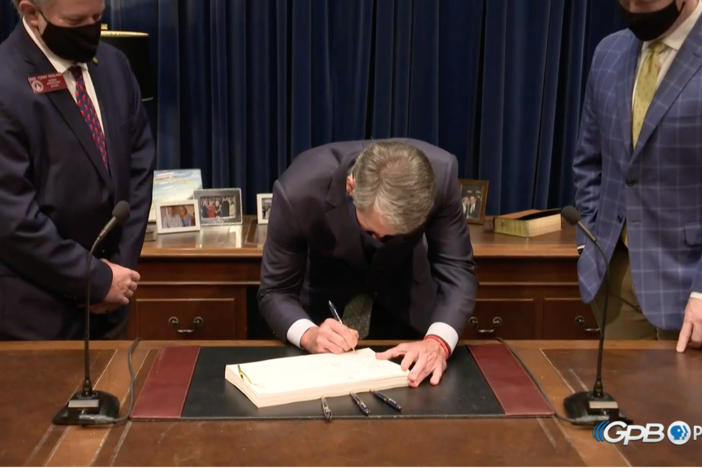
column 330, row 337
column 124, row 284
column 428, row 357
column 691, row 333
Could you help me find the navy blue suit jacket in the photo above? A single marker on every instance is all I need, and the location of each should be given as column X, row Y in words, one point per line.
column 56, row 195
column 655, row 187
column 314, row 248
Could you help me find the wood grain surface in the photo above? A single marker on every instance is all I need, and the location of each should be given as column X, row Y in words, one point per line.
column 247, row 239
column 649, row 379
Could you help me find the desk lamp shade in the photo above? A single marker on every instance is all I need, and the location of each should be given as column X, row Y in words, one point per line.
column 135, row 45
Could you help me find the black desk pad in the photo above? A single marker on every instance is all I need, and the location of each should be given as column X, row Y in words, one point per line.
column 462, row 393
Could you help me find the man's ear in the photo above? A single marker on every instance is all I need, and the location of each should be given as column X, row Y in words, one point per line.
column 349, row 184
column 31, row 14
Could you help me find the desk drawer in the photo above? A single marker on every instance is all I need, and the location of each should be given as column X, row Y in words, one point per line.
column 189, row 312
column 568, row 319
column 510, row 319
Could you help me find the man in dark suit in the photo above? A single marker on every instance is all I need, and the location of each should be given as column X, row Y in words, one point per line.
column 225, row 207
column 74, row 141
column 473, row 210
column 378, row 230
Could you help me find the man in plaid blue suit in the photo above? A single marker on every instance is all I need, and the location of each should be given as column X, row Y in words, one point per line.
column 638, row 174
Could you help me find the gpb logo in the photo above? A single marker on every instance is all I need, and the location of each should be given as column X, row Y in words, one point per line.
column 678, row 432
column 605, row 431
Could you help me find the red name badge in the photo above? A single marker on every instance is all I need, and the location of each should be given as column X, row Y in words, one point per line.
column 47, row 83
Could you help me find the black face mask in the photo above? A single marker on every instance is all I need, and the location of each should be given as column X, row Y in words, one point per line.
column 650, row 26
column 77, row 44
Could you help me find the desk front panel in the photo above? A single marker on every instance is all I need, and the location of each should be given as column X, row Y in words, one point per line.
column 214, row 298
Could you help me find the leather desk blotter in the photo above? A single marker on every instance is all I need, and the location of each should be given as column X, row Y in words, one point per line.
column 513, row 387
column 167, row 384
column 464, row 391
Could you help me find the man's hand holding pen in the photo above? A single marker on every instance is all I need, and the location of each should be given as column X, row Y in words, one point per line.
column 428, row 356
column 330, row 337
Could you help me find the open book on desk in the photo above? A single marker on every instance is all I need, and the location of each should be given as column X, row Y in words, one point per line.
column 311, row 377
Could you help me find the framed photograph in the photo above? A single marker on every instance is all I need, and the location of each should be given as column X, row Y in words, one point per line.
column 219, row 207
column 177, row 216
column 264, row 201
column 474, row 198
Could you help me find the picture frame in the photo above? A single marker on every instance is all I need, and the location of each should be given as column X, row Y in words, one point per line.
column 219, row 207
column 474, row 199
column 264, row 203
column 169, row 216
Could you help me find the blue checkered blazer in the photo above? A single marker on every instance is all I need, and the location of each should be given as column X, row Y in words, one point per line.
column 656, row 187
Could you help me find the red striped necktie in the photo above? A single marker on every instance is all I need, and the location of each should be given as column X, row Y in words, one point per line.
column 87, row 110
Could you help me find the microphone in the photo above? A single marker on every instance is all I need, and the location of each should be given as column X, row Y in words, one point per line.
column 89, row 406
column 592, row 408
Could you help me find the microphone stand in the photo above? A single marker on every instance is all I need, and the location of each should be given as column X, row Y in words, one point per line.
column 592, row 408
column 88, row 402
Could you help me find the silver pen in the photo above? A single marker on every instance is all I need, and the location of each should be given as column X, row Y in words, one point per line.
column 336, row 316
column 334, row 312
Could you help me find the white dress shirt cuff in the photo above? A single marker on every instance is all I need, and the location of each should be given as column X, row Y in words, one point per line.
column 446, row 332
column 696, row 295
column 298, row 329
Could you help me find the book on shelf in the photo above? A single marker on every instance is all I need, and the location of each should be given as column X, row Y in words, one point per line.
column 528, row 223
column 150, row 234
column 295, row 379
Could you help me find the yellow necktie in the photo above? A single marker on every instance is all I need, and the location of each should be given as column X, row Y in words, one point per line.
column 646, row 84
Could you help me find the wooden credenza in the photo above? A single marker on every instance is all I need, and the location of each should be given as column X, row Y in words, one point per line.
column 202, row 286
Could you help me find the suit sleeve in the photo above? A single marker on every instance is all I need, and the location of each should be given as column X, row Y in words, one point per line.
column 283, row 270
column 452, row 264
column 143, row 161
column 587, row 164
column 696, row 290
column 31, row 244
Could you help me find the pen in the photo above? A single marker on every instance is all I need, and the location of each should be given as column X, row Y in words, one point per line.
column 362, row 406
column 327, row 411
column 336, row 316
column 334, row 312
column 388, row 401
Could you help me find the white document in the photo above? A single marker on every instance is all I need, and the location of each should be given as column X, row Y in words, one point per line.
column 310, row 377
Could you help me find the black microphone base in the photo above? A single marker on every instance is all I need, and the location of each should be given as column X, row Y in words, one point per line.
column 585, row 409
column 87, row 411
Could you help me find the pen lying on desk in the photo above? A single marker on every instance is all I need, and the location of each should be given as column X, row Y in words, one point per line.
column 362, row 406
column 387, row 400
column 326, row 409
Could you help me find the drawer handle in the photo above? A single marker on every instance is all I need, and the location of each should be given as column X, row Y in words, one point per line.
column 197, row 323
column 581, row 321
column 497, row 323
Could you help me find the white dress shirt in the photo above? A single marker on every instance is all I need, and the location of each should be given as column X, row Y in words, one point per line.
column 62, row 66
column 443, row 330
column 172, row 221
column 674, row 42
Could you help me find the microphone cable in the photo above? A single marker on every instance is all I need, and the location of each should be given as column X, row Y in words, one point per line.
column 97, row 420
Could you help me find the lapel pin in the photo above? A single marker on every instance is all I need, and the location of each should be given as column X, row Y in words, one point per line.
column 95, row 60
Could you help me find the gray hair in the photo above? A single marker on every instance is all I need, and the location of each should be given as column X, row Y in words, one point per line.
column 397, row 180
column 37, row 3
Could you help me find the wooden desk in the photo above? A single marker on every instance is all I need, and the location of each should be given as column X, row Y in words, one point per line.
column 652, row 383
column 208, row 281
